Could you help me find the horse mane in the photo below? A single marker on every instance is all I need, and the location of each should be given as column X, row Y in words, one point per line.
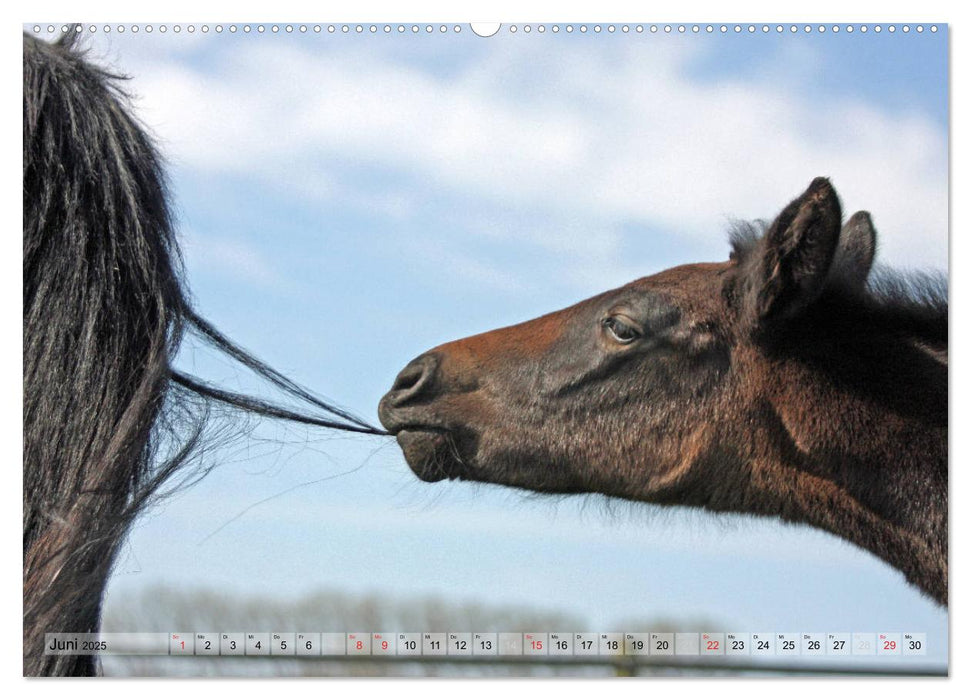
column 107, row 420
column 913, row 301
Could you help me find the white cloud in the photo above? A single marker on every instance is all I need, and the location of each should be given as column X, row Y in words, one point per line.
column 579, row 136
column 437, row 259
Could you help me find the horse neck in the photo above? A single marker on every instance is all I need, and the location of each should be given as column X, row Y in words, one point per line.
column 865, row 460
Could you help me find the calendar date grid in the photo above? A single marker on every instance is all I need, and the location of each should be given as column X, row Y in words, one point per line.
column 492, row 644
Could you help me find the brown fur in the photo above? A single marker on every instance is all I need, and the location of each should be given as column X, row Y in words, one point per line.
column 781, row 383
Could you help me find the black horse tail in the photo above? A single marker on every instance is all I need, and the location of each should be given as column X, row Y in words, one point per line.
column 105, row 309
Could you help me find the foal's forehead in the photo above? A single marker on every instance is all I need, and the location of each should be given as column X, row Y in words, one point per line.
column 694, row 286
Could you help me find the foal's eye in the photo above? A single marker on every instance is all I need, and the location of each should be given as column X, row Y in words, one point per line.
column 620, row 331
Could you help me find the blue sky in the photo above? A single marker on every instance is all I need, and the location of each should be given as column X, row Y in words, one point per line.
column 346, row 202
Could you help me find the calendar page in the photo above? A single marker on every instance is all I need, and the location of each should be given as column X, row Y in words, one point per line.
column 486, row 350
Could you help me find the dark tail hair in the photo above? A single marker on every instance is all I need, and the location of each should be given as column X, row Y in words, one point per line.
column 105, row 309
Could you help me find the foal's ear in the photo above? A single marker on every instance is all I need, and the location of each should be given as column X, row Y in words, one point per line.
column 795, row 255
column 855, row 252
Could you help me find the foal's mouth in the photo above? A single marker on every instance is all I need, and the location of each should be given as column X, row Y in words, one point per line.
column 429, row 451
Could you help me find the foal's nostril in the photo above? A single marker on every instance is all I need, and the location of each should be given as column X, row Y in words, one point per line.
column 413, row 379
column 408, row 378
